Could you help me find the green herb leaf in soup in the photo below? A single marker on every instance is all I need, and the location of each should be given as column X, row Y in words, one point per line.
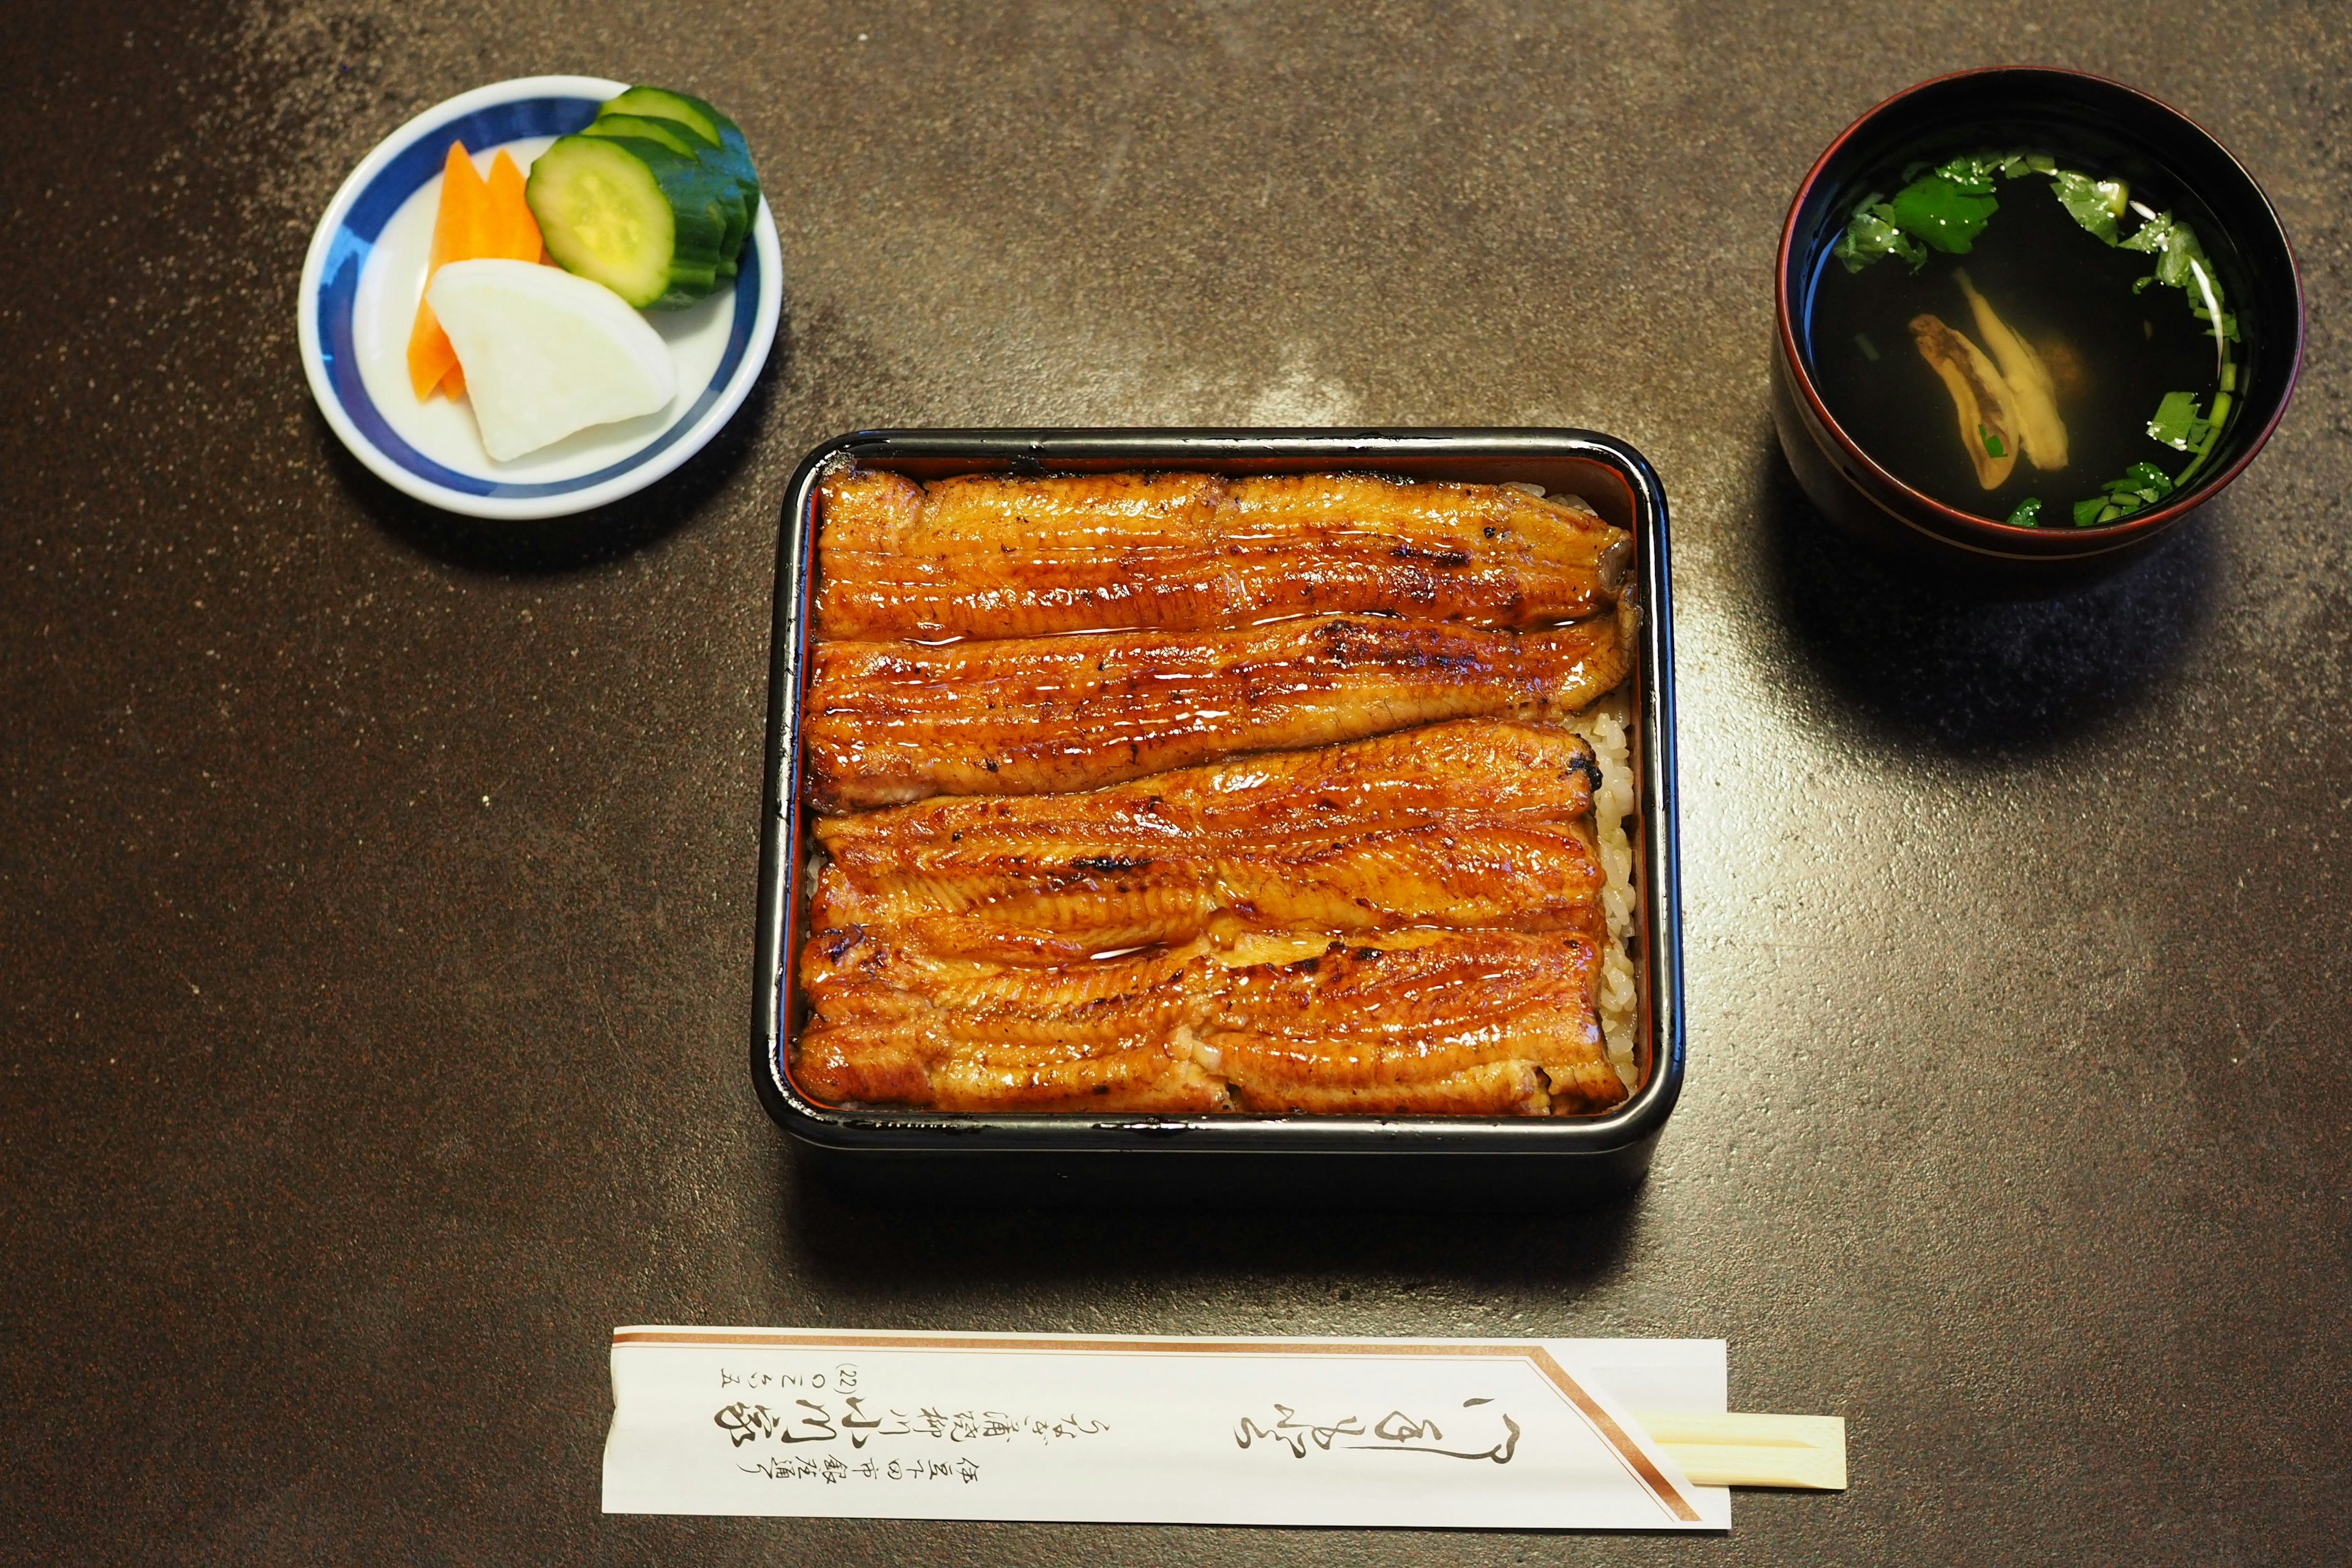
column 2172, row 243
column 1974, row 172
column 2142, row 485
column 1871, row 235
column 2094, row 204
column 2180, row 423
column 2181, row 263
column 1943, row 212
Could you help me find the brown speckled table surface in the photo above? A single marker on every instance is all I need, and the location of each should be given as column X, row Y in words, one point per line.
column 376, row 887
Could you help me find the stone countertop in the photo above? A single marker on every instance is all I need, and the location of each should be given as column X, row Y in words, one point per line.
column 376, row 886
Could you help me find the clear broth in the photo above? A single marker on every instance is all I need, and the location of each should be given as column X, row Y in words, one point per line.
column 2113, row 352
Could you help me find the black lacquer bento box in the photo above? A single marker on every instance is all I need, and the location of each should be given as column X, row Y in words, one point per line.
column 1069, row 1158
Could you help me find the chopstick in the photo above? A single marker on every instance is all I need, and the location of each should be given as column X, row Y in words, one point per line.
column 1753, row 1450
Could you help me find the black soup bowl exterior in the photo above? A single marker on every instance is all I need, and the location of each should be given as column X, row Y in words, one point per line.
column 2126, row 133
column 1073, row 1159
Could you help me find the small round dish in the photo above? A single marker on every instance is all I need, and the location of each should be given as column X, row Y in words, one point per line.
column 2138, row 134
column 360, row 288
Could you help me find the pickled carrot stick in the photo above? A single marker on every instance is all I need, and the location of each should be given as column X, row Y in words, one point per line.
column 514, row 231
column 461, row 225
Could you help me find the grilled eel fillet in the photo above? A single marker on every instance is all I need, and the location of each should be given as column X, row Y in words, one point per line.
column 892, row 722
column 987, row 555
column 1450, row 1023
column 1476, row 823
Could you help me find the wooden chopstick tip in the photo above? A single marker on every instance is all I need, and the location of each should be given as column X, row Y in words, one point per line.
column 1804, row 1453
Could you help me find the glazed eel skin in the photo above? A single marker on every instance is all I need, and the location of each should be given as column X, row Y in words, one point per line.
column 888, row 723
column 986, row 555
column 1406, row 924
column 1477, row 823
column 1421, row 1022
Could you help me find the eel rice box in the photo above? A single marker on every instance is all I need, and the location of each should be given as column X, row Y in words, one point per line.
column 1232, row 1158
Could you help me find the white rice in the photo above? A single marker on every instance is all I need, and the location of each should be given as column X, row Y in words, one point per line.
column 1603, row 726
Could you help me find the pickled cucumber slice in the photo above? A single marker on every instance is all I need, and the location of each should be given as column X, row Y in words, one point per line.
column 634, row 215
column 681, row 138
column 662, row 103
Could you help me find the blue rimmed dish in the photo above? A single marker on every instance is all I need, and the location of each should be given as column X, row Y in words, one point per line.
column 366, row 268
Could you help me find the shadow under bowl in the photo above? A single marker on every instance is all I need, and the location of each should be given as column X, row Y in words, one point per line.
column 2119, row 131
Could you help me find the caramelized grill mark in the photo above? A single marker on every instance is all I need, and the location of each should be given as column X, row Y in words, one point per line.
column 993, row 556
column 890, row 722
column 1539, row 877
column 1399, row 1028
column 1497, row 769
column 1452, row 1022
column 1470, row 823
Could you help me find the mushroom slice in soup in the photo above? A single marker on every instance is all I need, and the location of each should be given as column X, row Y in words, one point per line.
column 1980, row 399
column 2032, row 387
